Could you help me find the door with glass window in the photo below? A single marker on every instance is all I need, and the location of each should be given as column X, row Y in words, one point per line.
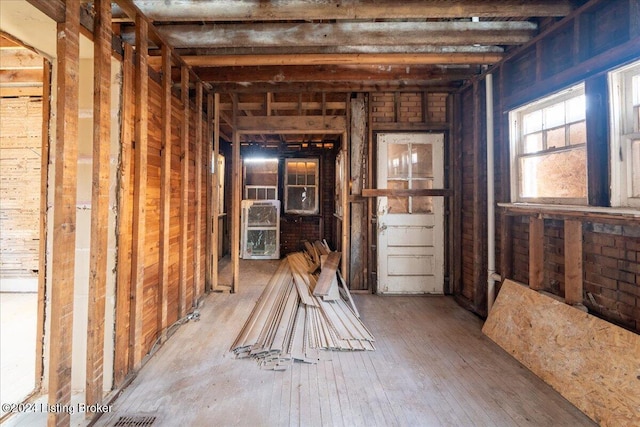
column 410, row 228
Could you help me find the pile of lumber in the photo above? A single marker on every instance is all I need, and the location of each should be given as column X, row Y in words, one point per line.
column 305, row 308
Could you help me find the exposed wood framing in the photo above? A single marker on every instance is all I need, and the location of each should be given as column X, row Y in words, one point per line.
column 479, row 204
column 506, row 224
column 42, row 247
column 184, row 191
column 346, row 160
column 400, row 192
column 230, row 10
column 209, row 199
column 536, row 253
column 236, row 191
column 598, row 136
column 342, row 59
column 198, row 284
column 291, row 124
column 165, row 194
column 372, row 241
column 358, row 214
column 456, row 202
column 215, row 211
column 99, row 202
column 140, row 192
column 573, row 284
column 64, row 214
column 331, row 73
column 292, row 35
column 125, row 223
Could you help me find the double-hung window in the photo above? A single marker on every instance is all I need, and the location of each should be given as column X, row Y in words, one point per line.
column 549, row 149
column 301, row 186
column 624, row 87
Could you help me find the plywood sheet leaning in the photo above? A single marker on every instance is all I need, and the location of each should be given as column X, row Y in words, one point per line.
column 592, row 363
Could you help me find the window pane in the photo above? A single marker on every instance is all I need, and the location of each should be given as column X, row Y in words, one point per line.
column 635, row 168
column 422, row 204
column 533, row 143
column 398, row 161
column 262, row 216
column 578, row 133
column 532, row 122
column 261, row 242
column 398, row 205
column 554, row 115
column 311, row 173
column 422, row 161
column 636, row 89
column 576, row 109
column 555, row 138
column 301, row 198
column 555, row 175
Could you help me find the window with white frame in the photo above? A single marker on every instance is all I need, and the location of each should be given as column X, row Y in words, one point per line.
column 301, row 186
column 625, row 135
column 549, row 149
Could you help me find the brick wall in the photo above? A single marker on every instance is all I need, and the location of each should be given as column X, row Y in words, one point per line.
column 520, row 248
column 611, row 262
column 409, row 107
column 554, row 257
column 612, row 272
column 437, row 108
column 383, row 108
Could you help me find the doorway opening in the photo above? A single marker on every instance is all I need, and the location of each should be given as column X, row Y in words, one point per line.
column 24, row 112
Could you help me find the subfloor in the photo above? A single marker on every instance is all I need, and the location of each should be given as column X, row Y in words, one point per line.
column 432, row 367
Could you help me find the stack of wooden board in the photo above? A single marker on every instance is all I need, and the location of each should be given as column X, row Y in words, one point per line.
column 302, row 312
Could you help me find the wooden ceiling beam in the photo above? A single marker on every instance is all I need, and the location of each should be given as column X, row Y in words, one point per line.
column 339, row 59
column 291, row 124
column 258, row 106
column 311, row 73
column 328, row 50
column 257, row 35
column 328, row 86
column 258, row 10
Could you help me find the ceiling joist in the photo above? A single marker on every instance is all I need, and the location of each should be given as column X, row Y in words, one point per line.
column 334, row 73
column 285, row 35
column 338, row 59
column 303, row 10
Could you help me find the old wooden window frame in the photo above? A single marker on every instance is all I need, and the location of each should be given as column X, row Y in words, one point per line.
column 518, row 135
column 624, row 87
column 315, row 185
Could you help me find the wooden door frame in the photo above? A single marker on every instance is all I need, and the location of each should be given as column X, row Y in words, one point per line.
column 326, row 126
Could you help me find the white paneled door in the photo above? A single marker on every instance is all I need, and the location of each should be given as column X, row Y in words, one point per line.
column 410, row 228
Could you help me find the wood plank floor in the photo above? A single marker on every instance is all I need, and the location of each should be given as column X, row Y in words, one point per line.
column 432, row 367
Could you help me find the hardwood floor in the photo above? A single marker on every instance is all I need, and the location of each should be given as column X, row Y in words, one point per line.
column 432, row 367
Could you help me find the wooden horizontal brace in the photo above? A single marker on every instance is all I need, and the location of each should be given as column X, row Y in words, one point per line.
column 292, row 124
column 385, row 192
column 341, row 59
column 585, row 213
column 22, row 76
column 313, row 73
column 332, row 86
column 256, row 106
